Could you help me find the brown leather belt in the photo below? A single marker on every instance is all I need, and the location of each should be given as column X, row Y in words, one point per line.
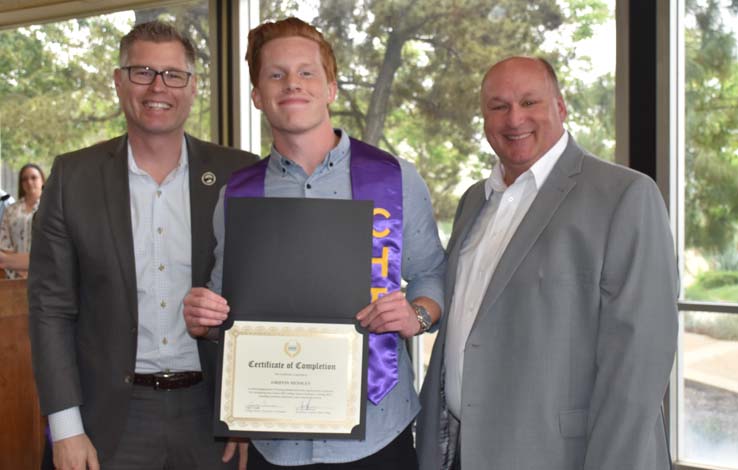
column 168, row 380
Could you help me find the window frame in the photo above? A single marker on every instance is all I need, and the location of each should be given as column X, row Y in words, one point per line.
column 670, row 164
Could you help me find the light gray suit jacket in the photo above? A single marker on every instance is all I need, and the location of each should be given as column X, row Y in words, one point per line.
column 567, row 362
column 83, row 304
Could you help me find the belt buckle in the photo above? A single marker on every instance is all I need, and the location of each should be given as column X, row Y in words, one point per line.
column 158, row 377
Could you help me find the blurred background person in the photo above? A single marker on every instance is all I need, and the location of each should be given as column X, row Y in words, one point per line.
column 15, row 228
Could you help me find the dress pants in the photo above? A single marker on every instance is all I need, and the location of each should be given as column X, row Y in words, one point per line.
column 169, row 430
column 397, row 455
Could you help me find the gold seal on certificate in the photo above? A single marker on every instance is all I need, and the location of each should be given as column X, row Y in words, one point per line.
column 291, row 377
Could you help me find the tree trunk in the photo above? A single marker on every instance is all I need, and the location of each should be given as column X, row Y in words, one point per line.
column 379, row 103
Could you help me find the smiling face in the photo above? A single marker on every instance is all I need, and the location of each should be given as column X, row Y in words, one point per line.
column 155, row 109
column 523, row 113
column 293, row 91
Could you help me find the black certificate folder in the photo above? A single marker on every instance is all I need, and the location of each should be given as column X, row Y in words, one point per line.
column 300, row 268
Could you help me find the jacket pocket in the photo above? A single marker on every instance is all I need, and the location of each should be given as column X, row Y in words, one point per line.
column 573, row 423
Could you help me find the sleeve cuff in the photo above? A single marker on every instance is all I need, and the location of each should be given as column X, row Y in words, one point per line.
column 65, row 423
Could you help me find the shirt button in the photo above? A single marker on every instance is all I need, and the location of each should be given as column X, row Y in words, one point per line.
column 161, row 267
column 511, row 199
column 308, row 186
column 158, row 193
column 128, row 379
column 164, row 341
column 163, row 304
column 159, row 230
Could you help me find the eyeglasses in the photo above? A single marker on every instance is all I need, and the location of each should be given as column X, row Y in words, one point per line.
column 143, row 75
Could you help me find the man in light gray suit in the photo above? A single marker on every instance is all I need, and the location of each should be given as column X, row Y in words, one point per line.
column 123, row 231
column 561, row 328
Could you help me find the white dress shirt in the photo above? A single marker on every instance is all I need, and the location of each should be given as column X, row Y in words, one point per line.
column 482, row 249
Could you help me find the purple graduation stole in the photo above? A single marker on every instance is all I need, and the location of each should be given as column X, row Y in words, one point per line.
column 375, row 176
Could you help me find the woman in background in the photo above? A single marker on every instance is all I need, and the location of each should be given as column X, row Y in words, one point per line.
column 15, row 228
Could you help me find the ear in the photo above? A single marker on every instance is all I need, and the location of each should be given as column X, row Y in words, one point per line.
column 332, row 91
column 256, row 97
column 561, row 107
column 193, row 84
column 117, row 78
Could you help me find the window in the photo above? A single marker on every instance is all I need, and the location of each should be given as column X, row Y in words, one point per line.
column 56, row 85
column 707, row 197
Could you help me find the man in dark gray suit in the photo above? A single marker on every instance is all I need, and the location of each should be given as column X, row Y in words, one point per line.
column 122, row 233
column 561, row 289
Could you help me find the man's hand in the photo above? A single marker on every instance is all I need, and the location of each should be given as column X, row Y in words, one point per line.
column 75, row 453
column 204, row 309
column 391, row 312
column 243, row 452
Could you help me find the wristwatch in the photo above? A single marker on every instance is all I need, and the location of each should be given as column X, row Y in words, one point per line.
column 424, row 318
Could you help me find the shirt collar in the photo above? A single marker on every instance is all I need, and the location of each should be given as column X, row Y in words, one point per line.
column 336, row 155
column 183, row 160
column 539, row 171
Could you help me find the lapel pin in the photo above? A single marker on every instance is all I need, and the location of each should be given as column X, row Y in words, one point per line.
column 208, row 178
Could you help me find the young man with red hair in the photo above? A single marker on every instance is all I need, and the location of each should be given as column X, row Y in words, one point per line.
column 293, row 71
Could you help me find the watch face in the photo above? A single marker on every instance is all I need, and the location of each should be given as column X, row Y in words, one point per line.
column 424, row 317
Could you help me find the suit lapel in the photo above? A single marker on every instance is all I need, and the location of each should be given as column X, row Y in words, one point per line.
column 117, row 201
column 553, row 192
column 201, row 211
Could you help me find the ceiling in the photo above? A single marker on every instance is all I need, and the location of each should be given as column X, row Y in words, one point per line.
column 23, row 12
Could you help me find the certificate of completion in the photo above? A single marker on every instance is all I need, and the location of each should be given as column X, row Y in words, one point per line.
column 292, row 364
column 291, row 377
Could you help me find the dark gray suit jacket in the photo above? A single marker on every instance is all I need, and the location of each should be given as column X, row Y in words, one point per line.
column 82, row 282
column 569, row 357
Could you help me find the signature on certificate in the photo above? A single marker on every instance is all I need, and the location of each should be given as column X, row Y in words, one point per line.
column 305, row 405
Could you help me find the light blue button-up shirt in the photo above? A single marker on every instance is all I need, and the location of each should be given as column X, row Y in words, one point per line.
column 162, row 242
column 422, row 269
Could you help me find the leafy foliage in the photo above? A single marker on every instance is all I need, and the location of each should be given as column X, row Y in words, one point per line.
column 56, row 86
column 409, row 75
column 711, row 160
column 410, row 72
column 718, row 326
column 713, row 279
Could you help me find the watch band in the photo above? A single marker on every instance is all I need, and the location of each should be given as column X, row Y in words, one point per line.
column 423, row 317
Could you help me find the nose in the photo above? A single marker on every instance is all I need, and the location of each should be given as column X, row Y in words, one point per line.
column 293, row 82
column 158, row 83
column 515, row 116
